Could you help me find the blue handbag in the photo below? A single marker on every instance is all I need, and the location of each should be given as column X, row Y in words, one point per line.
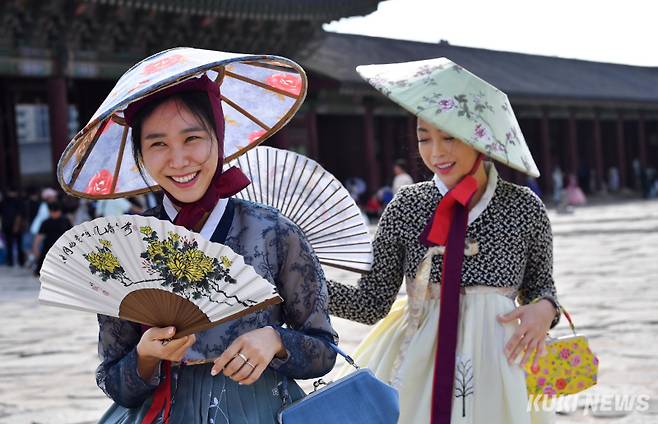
column 359, row 397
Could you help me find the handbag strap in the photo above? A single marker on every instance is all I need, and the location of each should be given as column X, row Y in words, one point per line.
column 568, row 317
column 345, row 356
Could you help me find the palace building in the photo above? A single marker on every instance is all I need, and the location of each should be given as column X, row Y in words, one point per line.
column 59, row 59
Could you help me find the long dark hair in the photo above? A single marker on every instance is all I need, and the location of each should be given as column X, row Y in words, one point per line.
column 197, row 102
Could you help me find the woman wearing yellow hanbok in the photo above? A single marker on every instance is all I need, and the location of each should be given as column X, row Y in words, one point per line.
column 467, row 244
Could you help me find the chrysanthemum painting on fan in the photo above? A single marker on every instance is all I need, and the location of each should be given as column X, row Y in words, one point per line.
column 175, row 262
column 152, row 272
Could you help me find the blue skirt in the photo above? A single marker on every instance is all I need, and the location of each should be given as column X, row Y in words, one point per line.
column 199, row 398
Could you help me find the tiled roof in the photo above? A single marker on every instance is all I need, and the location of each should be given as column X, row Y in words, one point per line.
column 302, row 10
column 517, row 74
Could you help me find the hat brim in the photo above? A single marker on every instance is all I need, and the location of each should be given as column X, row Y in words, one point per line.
column 259, row 95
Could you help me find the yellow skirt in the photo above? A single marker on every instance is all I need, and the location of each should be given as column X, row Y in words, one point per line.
column 400, row 350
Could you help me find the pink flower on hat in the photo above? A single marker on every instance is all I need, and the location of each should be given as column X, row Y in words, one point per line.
column 286, row 82
column 480, row 131
column 447, row 104
column 255, row 135
column 564, row 353
column 163, row 63
column 101, row 183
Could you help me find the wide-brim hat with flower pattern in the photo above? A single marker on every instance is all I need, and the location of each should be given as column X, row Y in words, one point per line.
column 259, row 95
column 455, row 101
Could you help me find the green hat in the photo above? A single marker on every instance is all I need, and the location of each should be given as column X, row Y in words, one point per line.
column 455, row 101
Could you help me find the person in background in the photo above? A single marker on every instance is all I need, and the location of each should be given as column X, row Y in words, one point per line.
column 402, row 178
column 558, row 184
column 575, row 195
column 51, row 229
column 12, row 214
column 614, row 181
column 356, row 187
column 533, row 185
column 31, row 208
column 48, row 195
column 636, row 165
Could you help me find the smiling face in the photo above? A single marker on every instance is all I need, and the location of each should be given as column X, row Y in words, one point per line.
column 178, row 151
column 449, row 158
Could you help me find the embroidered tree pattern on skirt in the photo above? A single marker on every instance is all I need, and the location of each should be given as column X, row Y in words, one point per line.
column 464, row 382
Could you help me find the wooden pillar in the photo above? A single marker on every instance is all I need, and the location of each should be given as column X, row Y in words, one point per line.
column 546, row 165
column 312, row 130
column 642, row 141
column 621, row 152
column 372, row 171
column 10, row 165
column 387, row 149
column 280, row 139
column 4, row 168
column 573, row 145
column 598, row 151
column 412, row 147
column 58, row 112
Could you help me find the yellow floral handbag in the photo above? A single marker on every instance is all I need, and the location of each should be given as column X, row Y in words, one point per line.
column 569, row 366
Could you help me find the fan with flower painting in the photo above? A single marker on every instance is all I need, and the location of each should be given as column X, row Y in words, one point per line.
column 151, row 272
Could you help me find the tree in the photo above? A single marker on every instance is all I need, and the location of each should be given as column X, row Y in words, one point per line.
column 464, row 382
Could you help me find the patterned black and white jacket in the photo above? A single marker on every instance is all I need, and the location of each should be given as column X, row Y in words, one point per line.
column 511, row 228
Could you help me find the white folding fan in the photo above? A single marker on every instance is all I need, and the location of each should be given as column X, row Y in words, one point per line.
column 152, row 272
column 312, row 198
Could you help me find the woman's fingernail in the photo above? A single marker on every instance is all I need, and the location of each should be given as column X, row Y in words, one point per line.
column 213, row 372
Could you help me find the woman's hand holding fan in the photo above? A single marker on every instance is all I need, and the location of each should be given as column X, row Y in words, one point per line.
column 157, row 345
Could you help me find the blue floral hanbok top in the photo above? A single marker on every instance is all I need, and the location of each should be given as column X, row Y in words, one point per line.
column 280, row 253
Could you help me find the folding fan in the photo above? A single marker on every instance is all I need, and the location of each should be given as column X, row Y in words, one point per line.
column 152, row 272
column 312, row 198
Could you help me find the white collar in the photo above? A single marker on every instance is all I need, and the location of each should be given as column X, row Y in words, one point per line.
column 211, row 223
column 481, row 205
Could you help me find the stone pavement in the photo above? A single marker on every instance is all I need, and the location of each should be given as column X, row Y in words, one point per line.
column 606, row 268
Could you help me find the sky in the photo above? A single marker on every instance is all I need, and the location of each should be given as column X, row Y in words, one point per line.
column 604, row 30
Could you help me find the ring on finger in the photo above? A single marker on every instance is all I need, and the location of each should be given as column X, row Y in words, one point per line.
column 241, row 355
column 253, row 367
